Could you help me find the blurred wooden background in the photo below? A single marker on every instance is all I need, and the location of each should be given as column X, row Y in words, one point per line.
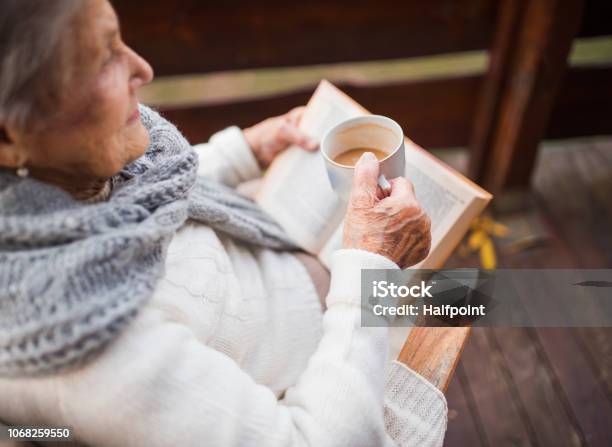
column 525, row 94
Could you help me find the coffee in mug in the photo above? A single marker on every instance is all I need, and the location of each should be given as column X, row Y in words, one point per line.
column 351, row 156
column 344, row 143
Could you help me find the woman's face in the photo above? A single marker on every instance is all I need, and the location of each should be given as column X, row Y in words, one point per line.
column 97, row 128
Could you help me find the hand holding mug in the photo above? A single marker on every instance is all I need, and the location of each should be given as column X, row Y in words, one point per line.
column 395, row 226
column 343, row 144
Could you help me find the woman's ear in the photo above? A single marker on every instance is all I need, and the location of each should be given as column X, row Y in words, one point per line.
column 10, row 155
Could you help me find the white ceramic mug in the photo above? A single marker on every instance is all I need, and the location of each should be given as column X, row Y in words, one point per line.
column 374, row 131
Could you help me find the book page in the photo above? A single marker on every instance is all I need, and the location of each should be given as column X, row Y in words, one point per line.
column 296, row 190
column 451, row 201
column 442, row 199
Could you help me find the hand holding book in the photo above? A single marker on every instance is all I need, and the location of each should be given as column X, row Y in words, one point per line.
column 273, row 135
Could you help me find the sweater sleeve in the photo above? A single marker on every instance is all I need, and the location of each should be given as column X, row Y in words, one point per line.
column 227, row 158
column 415, row 410
column 158, row 385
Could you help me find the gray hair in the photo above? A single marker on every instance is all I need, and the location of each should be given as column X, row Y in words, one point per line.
column 31, row 63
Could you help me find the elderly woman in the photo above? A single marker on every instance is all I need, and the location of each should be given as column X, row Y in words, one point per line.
column 143, row 301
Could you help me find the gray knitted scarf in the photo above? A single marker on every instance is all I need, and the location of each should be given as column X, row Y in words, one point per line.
column 73, row 275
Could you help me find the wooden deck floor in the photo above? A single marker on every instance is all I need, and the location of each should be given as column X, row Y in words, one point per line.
column 535, row 386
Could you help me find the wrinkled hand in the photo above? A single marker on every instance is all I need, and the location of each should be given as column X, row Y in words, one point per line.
column 273, row 135
column 395, row 226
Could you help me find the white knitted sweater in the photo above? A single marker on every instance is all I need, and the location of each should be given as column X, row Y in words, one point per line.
column 233, row 350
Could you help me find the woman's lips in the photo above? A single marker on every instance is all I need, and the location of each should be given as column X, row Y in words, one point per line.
column 134, row 117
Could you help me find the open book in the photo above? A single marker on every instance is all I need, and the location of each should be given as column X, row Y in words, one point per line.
column 296, row 191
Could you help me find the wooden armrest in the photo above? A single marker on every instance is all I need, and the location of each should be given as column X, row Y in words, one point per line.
column 433, row 352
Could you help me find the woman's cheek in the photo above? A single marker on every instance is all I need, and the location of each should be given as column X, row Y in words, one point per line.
column 113, row 102
column 112, row 91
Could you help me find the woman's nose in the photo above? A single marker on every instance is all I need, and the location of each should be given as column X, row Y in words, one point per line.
column 142, row 72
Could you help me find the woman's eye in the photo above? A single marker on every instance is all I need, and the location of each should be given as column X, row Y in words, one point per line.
column 113, row 56
column 115, row 51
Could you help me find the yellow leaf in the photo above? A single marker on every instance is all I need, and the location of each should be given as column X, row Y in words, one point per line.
column 488, row 259
column 475, row 240
column 500, row 230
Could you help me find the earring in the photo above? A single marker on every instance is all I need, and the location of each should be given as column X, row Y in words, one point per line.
column 23, row 171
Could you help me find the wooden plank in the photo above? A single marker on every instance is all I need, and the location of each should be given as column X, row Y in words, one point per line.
column 604, row 150
column 498, row 407
column 533, row 78
column 572, row 184
column 563, row 187
column 536, row 386
column 568, row 352
column 545, row 398
column 565, row 411
column 593, row 184
column 577, row 185
column 463, row 425
column 433, row 352
column 595, row 168
column 191, row 36
column 596, row 344
column 592, row 409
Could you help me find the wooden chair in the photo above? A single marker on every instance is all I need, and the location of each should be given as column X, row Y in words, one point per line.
column 434, row 352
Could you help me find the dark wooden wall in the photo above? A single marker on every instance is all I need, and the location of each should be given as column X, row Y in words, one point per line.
column 193, row 36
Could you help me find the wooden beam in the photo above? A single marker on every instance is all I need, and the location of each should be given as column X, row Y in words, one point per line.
column 532, row 74
column 487, row 111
